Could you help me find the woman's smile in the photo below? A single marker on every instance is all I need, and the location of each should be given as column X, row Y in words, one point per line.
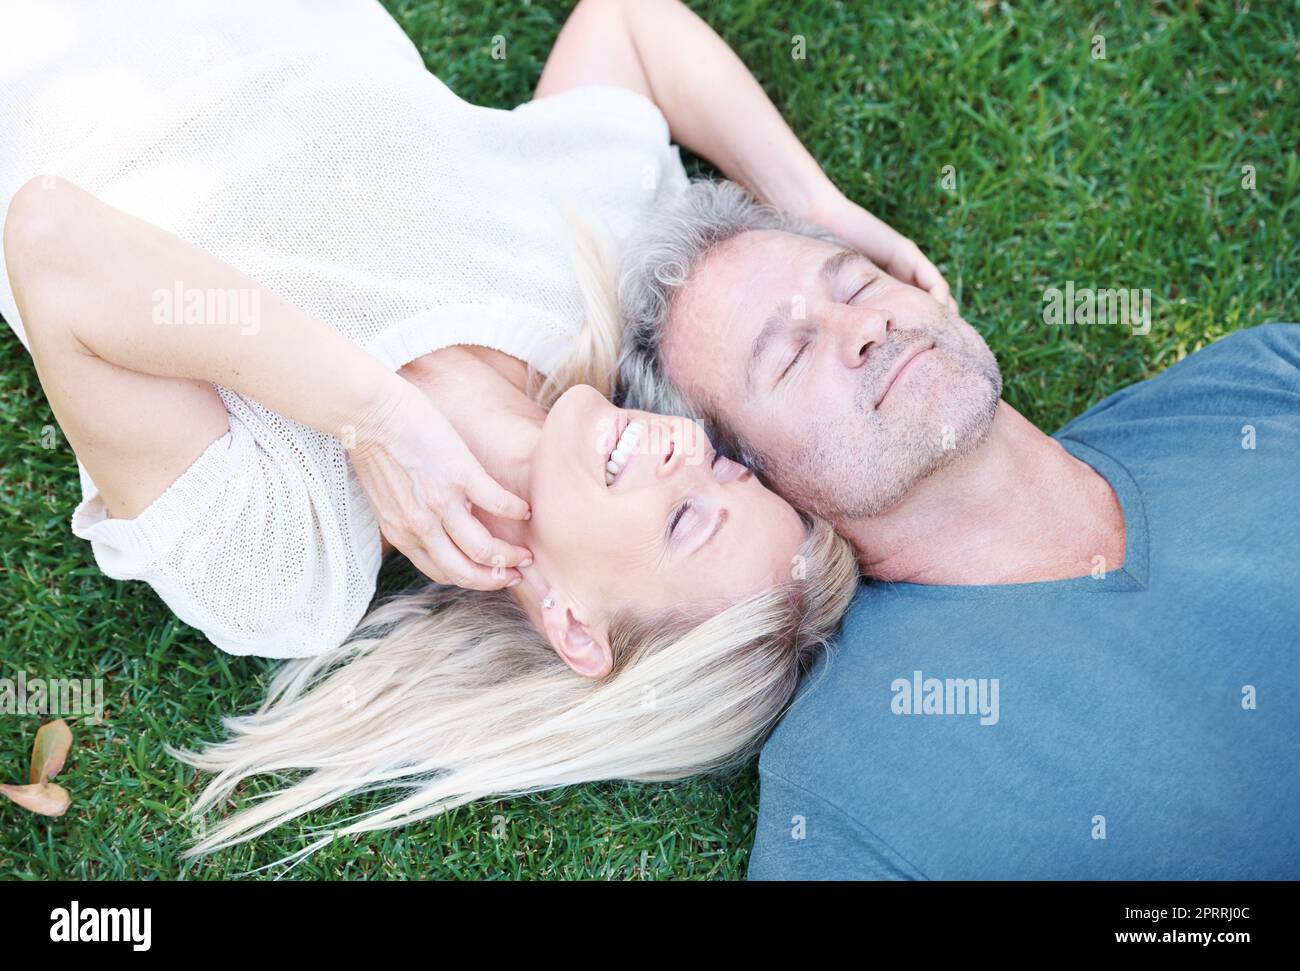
column 620, row 456
column 647, row 531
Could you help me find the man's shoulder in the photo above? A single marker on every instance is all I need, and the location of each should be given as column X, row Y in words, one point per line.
column 846, row 694
column 1257, row 354
column 820, row 693
column 1279, row 341
column 829, row 772
column 1247, row 365
column 803, row 835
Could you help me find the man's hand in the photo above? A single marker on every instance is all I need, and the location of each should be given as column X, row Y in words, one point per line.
column 423, row 482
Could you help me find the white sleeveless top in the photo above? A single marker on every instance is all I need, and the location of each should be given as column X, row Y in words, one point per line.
column 306, row 144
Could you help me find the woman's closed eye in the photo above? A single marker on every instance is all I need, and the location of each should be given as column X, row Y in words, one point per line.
column 688, row 506
column 685, row 515
column 680, row 513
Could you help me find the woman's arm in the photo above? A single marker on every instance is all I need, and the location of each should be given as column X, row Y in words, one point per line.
column 716, row 108
column 225, row 327
column 106, row 295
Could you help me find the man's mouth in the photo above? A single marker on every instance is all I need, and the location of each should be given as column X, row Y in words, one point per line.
column 902, row 364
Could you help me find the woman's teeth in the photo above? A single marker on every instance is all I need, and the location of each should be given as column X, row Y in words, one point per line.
column 626, row 445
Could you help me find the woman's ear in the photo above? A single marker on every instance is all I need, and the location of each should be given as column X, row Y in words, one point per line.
column 581, row 643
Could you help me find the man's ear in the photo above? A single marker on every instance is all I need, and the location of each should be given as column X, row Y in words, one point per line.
column 583, row 644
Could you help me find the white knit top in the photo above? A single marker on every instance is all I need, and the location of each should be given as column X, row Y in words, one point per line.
column 306, row 144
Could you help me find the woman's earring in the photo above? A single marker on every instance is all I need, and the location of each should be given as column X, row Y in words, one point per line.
column 548, row 603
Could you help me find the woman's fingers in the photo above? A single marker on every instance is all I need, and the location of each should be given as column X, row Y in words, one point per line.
column 461, row 570
column 473, row 539
column 423, row 483
column 930, row 279
column 489, row 495
column 890, row 250
column 422, row 562
column 913, row 266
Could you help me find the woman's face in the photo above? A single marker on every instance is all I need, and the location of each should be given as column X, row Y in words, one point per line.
column 669, row 525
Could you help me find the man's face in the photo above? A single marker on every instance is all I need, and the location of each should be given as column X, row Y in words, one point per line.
column 845, row 386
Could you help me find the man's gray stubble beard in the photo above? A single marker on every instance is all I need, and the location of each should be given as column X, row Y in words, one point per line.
column 840, row 497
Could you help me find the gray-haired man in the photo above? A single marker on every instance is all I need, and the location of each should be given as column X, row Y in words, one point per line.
column 1101, row 623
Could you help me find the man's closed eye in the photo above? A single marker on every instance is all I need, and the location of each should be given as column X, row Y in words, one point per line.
column 793, row 361
column 871, row 281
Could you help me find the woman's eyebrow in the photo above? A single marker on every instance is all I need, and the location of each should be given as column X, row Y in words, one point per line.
column 717, row 528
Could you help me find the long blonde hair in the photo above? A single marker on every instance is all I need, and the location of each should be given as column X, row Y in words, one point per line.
column 452, row 695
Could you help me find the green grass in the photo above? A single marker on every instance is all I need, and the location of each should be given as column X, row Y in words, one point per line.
column 1123, row 172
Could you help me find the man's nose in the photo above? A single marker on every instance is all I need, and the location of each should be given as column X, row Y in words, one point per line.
column 860, row 330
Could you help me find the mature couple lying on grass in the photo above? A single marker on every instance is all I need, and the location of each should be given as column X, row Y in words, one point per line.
column 680, row 460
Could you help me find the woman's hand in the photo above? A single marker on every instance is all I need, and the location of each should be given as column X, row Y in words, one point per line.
column 890, row 250
column 422, row 483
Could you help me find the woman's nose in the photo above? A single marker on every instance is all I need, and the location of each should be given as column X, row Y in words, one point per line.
column 681, row 439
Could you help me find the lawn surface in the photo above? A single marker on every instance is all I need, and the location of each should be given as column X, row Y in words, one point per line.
column 1122, row 172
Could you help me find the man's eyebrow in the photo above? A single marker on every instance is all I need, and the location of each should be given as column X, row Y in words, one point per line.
column 835, row 262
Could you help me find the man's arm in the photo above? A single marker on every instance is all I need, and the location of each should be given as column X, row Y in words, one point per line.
column 801, row 836
column 716, row 108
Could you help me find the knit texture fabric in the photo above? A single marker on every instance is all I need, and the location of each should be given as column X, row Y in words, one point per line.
column 307, row 145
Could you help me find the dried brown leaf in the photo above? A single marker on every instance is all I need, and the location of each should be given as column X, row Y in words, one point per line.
column 50, row 750
column 44, row 799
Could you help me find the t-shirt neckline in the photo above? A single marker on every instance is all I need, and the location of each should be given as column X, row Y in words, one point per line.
column 1132, row 576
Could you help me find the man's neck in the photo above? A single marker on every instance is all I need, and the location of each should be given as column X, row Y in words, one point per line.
column 1017, row 509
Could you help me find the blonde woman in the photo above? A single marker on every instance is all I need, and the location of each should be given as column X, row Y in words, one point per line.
column 669, row 604
column 295, row 304
column 660, row 633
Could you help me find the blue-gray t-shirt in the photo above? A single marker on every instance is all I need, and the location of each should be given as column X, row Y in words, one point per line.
column 1142, row 723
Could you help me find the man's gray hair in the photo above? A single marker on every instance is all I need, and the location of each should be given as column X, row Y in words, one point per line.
column 656, row 264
